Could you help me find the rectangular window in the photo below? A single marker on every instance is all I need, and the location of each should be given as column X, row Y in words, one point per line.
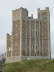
column 9, row 49
column 33, row 33
column 36, row 47
column 36, row 33
column 33, row 47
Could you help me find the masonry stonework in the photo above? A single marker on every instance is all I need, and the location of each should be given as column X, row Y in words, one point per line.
column 30, row 37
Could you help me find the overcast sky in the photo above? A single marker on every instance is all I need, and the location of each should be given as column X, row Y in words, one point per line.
column 6, row 7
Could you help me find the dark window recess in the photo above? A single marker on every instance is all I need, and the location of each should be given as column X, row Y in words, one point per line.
column 33, row 33
column 36, row 47
column 33, row 47
column 36, row 33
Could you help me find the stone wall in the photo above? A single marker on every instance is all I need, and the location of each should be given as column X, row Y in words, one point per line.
column 8, row 53
column 30, row 37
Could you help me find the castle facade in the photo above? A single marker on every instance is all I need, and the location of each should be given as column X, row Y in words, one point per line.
column 30, row 37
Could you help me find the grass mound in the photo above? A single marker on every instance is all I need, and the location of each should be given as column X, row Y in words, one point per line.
column 31, row 66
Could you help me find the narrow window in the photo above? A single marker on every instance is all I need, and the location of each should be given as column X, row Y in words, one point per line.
column 33, row 47
column 36, row 33
column 33, row 33
column 36, row 47
column 9, row 49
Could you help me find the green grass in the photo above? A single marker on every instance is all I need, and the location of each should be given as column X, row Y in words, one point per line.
column 0, row 66
column 31, row 66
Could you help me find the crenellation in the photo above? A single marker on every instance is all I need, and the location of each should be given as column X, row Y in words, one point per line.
column 30, row 37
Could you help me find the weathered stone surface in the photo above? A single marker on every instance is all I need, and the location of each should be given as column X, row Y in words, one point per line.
column 30, row 37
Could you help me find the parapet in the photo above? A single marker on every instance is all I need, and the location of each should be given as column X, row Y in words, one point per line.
column 47, row 8
column 38, row 10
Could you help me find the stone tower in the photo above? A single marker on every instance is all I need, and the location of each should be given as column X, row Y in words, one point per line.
column 30, row 37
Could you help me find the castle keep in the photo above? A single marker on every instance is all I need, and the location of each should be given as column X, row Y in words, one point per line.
column 30, row 37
